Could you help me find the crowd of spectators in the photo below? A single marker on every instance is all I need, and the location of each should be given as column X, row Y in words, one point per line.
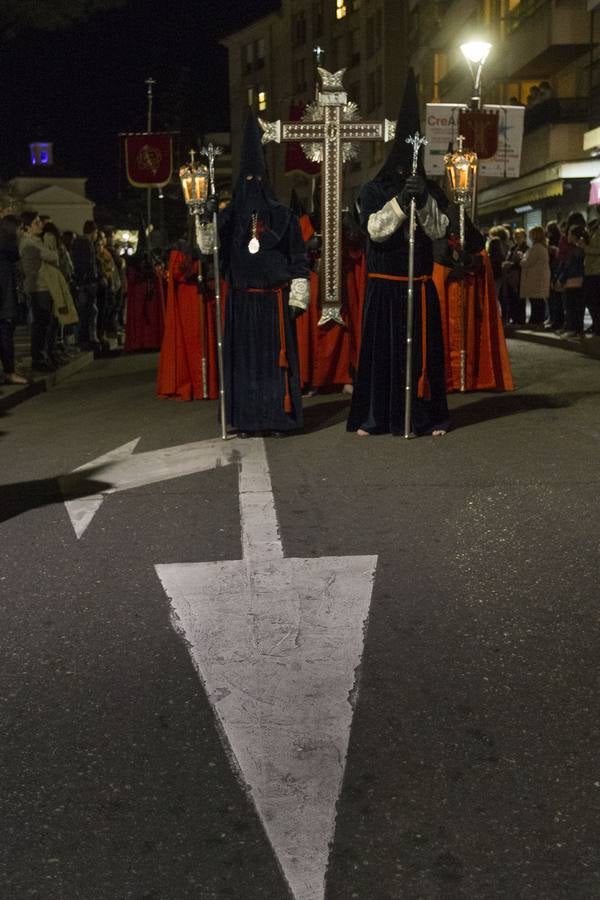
column 70, row 288
column 555, row 271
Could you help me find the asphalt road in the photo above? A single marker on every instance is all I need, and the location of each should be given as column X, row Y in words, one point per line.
column 473, row 769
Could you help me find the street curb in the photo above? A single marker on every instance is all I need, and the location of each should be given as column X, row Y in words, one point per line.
column 13, row 395
column 587, row 346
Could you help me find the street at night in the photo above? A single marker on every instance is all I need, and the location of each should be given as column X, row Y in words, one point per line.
column 461, row 729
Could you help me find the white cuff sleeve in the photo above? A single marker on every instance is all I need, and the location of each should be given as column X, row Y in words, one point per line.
column 205, row 234
column 433, row 222
column 384, row 223
column 299, row 293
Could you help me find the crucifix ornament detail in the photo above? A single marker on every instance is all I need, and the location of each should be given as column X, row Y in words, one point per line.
column 331, row 126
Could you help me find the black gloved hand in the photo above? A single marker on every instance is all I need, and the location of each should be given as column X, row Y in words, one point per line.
column 414, row 186
column 208, row 209
column 295, row 312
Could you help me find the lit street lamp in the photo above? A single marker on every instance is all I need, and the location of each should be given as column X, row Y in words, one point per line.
column 476, row 53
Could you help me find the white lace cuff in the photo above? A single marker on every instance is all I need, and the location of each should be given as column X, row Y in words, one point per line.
column 385, row 222
column 299, row 293
column 205, row 234
column 433, row 222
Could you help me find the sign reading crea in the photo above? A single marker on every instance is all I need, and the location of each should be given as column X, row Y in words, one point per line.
column 443, row 128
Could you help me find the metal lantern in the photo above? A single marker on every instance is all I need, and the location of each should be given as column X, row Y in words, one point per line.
column 461, row 167
column 194, row 183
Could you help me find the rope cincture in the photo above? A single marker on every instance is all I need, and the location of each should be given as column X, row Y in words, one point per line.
column 283, row 358
column 423, row 386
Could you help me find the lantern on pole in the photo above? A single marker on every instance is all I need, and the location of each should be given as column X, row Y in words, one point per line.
column 461, row 169
column 199, row 192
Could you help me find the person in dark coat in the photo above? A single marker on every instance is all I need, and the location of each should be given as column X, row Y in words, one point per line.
column 266, row 269
column 9, row 301
column 379, row 389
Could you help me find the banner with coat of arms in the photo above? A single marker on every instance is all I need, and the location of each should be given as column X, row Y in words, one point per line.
column 495, row 132
column 149, row 159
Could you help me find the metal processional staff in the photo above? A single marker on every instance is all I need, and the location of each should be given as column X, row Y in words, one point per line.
column 416, row 140
column 199, row 191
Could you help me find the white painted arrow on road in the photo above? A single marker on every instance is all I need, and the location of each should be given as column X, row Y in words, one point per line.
column 122, row 469
column 276, row 642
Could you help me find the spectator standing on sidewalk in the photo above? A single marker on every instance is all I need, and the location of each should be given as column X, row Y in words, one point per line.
column 86, row 281
column 570, row 280
column 556, row 317
column 535, row 276
column 512, row 277
column 34, row 253
column 9, row 301
column 591, row 275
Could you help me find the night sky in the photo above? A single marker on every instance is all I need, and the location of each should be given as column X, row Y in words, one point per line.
column 81, row 87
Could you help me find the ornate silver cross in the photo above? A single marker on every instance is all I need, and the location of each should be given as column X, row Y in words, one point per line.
column 329, row 129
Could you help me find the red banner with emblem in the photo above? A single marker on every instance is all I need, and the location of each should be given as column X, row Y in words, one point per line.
column 295, row 159
column 149, row 159
column 479, row 128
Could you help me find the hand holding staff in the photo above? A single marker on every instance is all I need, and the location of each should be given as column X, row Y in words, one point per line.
column 416, row 140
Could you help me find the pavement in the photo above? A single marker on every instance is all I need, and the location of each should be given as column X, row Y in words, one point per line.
column 468, row 768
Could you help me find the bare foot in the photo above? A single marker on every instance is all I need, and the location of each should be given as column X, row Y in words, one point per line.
column 439, row 432
column 14, row 378
column 362, row 433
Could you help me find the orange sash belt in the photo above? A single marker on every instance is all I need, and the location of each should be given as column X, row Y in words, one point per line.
column 283, row 359
column 423, row 387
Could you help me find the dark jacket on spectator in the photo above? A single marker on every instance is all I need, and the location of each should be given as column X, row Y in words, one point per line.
column 83, row 254
column 9, row 257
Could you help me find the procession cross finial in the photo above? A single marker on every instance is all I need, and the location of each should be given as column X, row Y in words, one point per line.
column 459, row 141
column 319, row 52
column 192, row 156
column 211, row 151
column 416, row 140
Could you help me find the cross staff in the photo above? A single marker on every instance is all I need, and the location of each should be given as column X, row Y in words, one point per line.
column 332, row 131
column 416, row 140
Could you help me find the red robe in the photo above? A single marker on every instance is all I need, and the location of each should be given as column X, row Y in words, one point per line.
column 328, row 355
column 487, row 361
column 186, row 341
column 145, row 309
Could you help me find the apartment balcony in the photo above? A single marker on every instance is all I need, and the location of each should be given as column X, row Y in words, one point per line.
column 556, row 110
column 542, row 37
column 553, row 143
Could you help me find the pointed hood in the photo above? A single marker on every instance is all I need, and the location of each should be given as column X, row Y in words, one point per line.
column 253, row 194
column 398, row 165
column 252, row 158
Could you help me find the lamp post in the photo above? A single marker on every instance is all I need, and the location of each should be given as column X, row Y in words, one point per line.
column 476, row 53
column 198, row 186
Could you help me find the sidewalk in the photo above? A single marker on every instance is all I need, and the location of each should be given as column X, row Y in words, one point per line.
column 589, row 345
column 12, row 394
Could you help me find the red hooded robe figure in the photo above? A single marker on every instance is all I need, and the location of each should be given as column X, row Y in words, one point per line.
column 190, row 333
column 472, row 284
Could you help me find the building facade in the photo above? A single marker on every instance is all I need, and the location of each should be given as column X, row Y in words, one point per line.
column 272, row 67
column 540, row 57
column 543, row 56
